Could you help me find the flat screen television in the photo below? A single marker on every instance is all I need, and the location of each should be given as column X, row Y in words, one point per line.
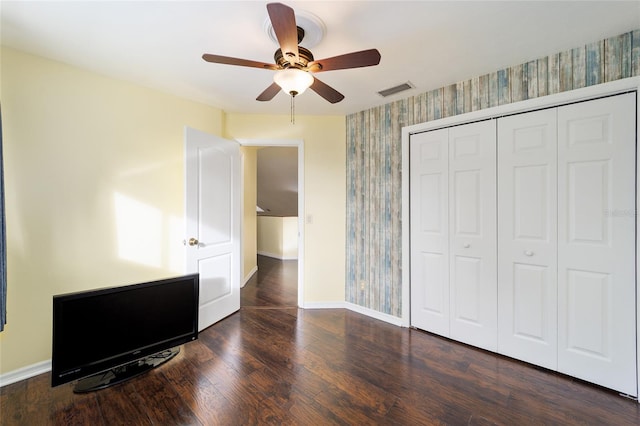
column 103, row 337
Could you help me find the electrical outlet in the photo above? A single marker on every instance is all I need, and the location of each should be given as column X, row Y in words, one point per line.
column 361, row 285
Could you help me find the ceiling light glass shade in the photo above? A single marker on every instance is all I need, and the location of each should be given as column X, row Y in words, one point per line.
column 293, row 81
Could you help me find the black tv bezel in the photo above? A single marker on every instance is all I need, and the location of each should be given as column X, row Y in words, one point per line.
column 117, row 360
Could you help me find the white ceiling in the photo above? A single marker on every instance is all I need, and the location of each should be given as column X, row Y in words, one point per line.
column 431, row 44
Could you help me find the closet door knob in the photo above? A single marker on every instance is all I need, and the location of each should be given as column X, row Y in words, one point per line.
column 528, row 253
column 466, row 245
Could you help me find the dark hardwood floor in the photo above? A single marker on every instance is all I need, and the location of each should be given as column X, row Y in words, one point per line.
column 274, row 285
column 270, row 365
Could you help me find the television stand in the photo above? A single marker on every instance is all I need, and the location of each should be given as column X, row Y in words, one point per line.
column 124, row 372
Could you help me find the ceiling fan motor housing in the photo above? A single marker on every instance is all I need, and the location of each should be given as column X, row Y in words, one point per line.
column 305, row 56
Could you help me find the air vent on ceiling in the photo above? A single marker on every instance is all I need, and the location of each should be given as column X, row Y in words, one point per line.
column 396, row 89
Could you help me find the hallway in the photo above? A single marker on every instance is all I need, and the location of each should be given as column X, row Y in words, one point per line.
column 275, row 285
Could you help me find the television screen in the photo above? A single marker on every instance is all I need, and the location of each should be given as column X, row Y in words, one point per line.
column 98, row 330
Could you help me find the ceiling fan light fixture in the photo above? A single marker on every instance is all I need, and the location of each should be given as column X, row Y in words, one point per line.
column 293, row 81
column 294, row 61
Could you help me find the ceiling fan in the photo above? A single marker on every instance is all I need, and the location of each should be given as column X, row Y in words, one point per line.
column 294, row 63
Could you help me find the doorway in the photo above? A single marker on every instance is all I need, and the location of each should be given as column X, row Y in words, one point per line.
column 278, row 279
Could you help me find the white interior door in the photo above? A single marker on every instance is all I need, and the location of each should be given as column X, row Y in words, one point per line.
column 429, row 217
column 212, row 204
column 472, row 233
column 527, row 237
column 596, row 242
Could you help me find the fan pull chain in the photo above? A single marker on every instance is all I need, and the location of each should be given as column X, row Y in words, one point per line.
column 293, row 94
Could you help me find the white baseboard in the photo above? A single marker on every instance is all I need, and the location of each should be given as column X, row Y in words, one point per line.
column 277, row 256
column 249, row 275
column 374, row 314
column 356, row 308
column 325, row 305
column 24, row 373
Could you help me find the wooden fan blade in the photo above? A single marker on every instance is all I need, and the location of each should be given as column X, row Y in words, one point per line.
column 326, row 91
column 283, row 21
column 217, row 59
column 269, row 93
column 364, row 58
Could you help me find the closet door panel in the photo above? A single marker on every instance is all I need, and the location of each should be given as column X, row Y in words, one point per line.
column 596, row 242
column 527, row 237
column 429, row 217
column 472, row 203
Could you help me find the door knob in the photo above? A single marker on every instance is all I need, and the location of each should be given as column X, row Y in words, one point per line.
column 466, row 245
column 193, row 241
column 528, row 253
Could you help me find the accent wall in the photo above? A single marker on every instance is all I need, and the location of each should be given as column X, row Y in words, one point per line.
column 374, row 229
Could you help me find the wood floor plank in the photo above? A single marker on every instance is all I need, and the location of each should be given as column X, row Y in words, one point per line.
column 122, row 405
column 306, row 411
column 351, row 408
column 12, row 402
column 162, row 402
column 197, row 391
column 367, row 395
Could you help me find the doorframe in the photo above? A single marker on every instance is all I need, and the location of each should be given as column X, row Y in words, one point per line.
column 290, row 143
column 572, row 96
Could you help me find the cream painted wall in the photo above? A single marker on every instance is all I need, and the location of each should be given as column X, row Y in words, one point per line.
column 278, row 237
column 324, row 192
column 249, row 224
column 94, row 189
column 270, row 236
column 289, row 237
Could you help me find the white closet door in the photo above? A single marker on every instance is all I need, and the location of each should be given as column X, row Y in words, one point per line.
column 596, row 242
column 472, row 233
column 527, row 237
column 429, row 217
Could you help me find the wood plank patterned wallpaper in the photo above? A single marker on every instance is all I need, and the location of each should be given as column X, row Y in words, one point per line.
column 374, row 232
